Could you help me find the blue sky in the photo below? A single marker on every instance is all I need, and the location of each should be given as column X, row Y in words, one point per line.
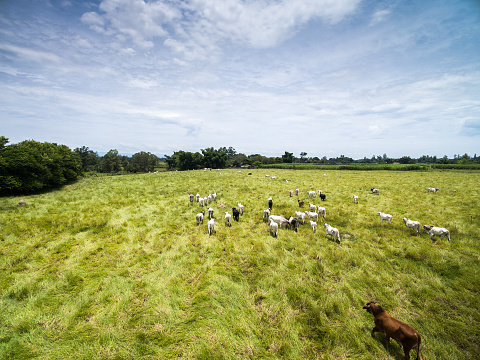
column 326, row 77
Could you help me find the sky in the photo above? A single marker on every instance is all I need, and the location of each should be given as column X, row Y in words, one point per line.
column 327, row 77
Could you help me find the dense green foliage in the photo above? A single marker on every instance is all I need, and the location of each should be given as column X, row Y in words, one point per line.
column 31, row 166
column 223, row 157
column 209, row 158
column 115, row 267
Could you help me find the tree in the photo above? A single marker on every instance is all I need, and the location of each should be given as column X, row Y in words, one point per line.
column 32, row 166
column 143, row 162
column 406, row 160
column 3, row 142
column 89, row 158
column 214, row 158
column 111, row 162
column 302, row 156
column 288, row 157
column 236, row 160
column 230, row 151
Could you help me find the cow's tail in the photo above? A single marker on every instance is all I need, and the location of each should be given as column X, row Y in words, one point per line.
column 419, row 349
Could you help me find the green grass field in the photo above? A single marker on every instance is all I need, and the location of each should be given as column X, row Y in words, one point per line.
column 115, row 267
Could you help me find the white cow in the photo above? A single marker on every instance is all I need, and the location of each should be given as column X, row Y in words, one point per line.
column 279, row 219
column 385, row 217
column 410, row 224
column 273, row 228
column 312, row 215
column 333, row 232
column 433, row 230
column 322, row 211
column 266, row 214
column 199, row 217
column 211, row 226
column 228, row 219
column 300, row 215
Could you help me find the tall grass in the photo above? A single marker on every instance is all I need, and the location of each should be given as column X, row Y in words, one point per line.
column 116, row 268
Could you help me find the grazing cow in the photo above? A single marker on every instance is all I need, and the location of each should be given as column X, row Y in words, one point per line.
column 191, row 197
column 291, row 193
column 270, row 203
column 323, row 197
column 434, row 190
column 301, row 203
column 355, row 199
column 405, row 335
column 297, row 191
column 375, row 191
column 279, row 219
column 236, row 214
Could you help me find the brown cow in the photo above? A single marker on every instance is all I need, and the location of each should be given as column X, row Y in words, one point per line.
column 406, row 335
column 300, row 203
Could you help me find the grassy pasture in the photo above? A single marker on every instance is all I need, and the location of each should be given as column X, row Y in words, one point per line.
column 116, row 268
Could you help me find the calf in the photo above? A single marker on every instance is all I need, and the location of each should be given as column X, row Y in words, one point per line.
column 323, row 197
column 406, row 335
column 300, row 203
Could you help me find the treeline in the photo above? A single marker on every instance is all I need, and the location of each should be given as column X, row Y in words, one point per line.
column 31, row 166
column 113, row 162
column 228, row 157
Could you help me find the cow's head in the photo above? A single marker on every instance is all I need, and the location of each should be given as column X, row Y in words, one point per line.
column 373, row 308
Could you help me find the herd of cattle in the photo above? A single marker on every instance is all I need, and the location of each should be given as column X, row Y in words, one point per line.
column 278, row 221
column 403, row 333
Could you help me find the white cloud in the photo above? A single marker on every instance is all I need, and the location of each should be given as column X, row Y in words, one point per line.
column 30, row 54
column 379, row 16
column 136, row 20
column 198, row 27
